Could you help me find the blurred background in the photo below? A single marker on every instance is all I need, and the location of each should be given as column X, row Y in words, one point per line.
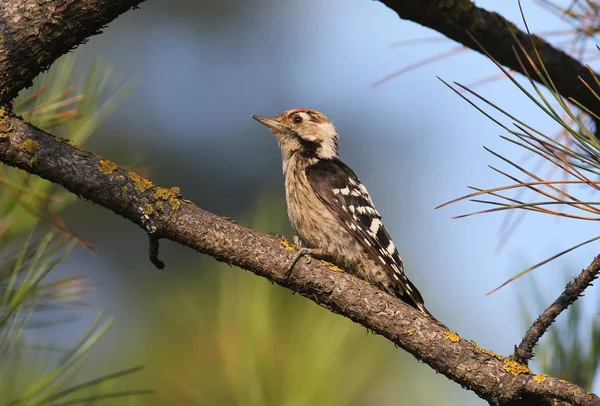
column 187, row 76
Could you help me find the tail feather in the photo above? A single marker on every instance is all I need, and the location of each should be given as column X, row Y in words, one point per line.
column 406, row 291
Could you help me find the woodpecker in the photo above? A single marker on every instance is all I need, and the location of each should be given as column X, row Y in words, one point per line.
column 330, row 210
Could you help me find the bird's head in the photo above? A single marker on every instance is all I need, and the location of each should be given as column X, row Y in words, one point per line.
column 305, row 131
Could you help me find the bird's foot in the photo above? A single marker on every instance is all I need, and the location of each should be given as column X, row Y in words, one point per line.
column 299, row 254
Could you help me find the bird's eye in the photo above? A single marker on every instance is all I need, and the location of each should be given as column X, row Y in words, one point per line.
column 297, row 119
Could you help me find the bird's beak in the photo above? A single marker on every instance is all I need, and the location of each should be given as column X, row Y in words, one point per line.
column 272, row 123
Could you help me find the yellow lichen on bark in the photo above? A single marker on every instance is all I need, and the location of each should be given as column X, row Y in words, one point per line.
column 148, row 209
column 175, row 203
column 452, row 336
column 170, row 195
column 515, row 368
column 487, row 352
column 331, row 266
column 288, row 246
column 141, row 184
column 162, row 193
column 107, row 167
column 166, row 194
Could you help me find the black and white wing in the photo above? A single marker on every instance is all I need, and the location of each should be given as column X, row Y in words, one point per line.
column 345, row 196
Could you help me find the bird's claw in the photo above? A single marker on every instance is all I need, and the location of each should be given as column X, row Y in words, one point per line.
column 299, row 254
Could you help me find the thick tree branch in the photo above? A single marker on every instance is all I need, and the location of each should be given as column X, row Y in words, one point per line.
column 34, row 33
column 524, row 352
column 164, row 214
column 456, row 19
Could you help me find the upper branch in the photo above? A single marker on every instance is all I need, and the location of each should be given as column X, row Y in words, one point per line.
column 34, row 33
column 458, row 18
column 164, row 214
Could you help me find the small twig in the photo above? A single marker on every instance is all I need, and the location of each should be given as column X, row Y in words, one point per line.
column 524, row 352
column 154, row 252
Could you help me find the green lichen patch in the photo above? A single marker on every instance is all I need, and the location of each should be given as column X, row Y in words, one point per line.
column 141, row 184
column 5, row 123
column 30, row 146
column 42, row 57
column 124, row 189
column 107, row 167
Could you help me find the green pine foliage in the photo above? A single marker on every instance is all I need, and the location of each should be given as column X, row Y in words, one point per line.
column 34, row 240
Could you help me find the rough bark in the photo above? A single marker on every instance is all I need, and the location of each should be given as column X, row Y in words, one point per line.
column 163, row 213
column 34, row 33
